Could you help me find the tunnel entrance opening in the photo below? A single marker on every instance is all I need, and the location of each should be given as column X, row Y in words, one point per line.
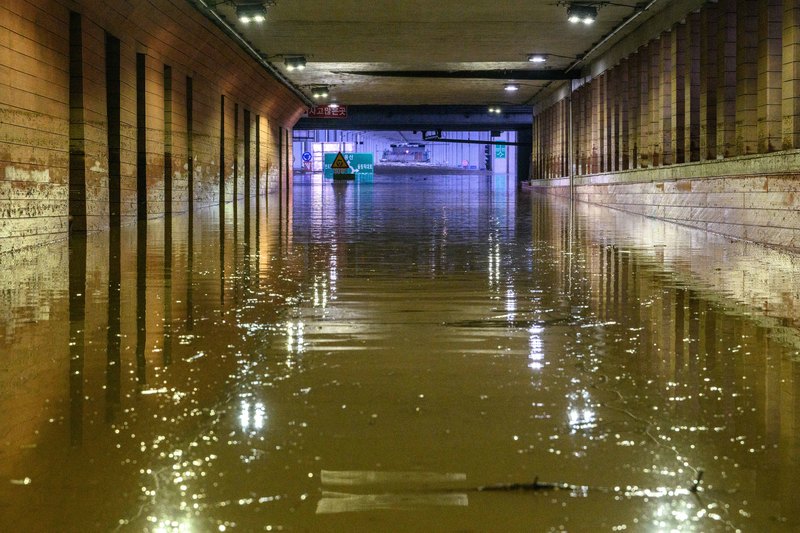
column 391, row 152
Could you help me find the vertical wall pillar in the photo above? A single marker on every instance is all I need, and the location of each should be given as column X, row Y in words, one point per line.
column 791, row 74
column 190, row 143
column 550, row 155
column 237, row 152
column 222, row 154
column 708, row 82
column 726, row 81
column 565, row 129
column 113, row 85
column 644, row 107
column 612, row 126
column 77, row 134
column 588, row 146
column 141, row 139
column 524, row 154
column 536, row 147
column 692, row 80
column 747, row 76
column 598, row 110
column 656, row 94
column 247, row 166
column 280, row 161
column 678, row 115
column 552, row 134
column 167, row 140
column 624, row 93
column 634, row 110
column 545, row 144
column 770, row 55
column 667, row 84
column 258, row 161
column 577, row 132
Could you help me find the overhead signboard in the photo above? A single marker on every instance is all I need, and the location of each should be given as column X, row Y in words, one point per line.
column 327, row 111
column 499, row 151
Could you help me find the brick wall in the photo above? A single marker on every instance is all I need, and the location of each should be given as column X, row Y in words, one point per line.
column 54, row 113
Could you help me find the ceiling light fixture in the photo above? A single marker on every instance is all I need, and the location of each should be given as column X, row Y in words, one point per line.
column 537, row 58
column 495, row 109
column 319, row 91
column 333, row 105
column 585, row 13
column 511, row 87
column 294, row 63
column 254, row 12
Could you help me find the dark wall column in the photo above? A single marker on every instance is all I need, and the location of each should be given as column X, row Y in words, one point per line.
column 747, row 76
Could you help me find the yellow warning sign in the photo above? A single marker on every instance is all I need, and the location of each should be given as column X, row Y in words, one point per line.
column 339, row 162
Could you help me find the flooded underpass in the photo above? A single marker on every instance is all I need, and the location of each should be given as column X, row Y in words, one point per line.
column 404, row 354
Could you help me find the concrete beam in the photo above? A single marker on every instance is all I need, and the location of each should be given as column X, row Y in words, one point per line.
column 416, row 118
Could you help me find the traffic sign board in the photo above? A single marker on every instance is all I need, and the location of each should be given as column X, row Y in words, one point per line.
column 307, row 156
column 339, row 162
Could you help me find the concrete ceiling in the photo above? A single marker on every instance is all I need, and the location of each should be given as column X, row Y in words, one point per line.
column 344, row 37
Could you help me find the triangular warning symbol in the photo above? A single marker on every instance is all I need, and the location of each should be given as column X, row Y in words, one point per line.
column 340, row 162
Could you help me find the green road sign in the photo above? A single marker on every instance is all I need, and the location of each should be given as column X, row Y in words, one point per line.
column 499, row 151
column 362, row 164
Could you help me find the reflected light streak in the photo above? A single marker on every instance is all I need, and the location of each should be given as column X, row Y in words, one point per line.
column 494, row 261
column 252, row 416
column 580, row 413
column 295, row 337
column 320, row 292
column 333, row 263
column 536, row 353
column 511, row 304
column 170, row 526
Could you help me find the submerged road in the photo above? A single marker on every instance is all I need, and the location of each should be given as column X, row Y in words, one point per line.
column 369, row 360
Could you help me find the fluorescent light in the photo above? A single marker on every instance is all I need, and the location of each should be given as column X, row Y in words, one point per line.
column 537, row 58
column 495, row 109
column 333, row 105
column 511, row 87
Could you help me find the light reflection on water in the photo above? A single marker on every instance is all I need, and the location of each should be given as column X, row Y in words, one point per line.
column 194, row 376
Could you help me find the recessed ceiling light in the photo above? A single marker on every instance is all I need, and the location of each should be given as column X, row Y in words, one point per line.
column 537, row 58
column 585, row 13
column 319, row 91
column 511, row 87
column 294, row 62
column 251, row 13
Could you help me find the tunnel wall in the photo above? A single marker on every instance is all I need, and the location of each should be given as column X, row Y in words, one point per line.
column 700, row 126
column 95, row 104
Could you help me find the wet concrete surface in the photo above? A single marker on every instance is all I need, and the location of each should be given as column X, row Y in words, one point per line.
column 368, row 357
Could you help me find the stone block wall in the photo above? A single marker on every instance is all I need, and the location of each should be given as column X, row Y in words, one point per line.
column 95, row 102
column 754, row 198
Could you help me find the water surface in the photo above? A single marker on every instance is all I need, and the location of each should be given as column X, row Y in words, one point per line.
column 367, row 357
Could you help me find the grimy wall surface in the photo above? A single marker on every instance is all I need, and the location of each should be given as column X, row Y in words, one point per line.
column 700, row 125
column 116, row 111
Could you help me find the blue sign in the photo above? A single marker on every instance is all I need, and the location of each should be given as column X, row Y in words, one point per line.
column 307, row 156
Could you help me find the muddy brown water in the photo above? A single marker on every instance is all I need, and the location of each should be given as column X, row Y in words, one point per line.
column 364, row 358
